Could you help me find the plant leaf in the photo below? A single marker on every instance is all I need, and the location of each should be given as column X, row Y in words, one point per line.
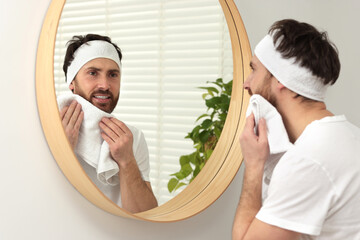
column 211, row 90
column 193, row 158
column 228, row 87
column 212, row 102
column 206, row 124
column 208, row 153
column 217, row 132
column 179, row 175
column 180, row 185
column 184, row 160
column 186, row 169
column 201, row 116
column 172, row 184
column 196, row 171
column 204, row 136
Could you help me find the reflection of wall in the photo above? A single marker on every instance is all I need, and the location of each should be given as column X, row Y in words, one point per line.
column 37, row 202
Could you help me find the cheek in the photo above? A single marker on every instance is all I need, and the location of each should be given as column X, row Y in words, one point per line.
column 116, row 86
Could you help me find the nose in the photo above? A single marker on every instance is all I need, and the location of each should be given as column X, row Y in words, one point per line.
column 247, row 84
column 103, row 83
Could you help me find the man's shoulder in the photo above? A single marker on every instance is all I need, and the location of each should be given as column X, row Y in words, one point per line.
column 327, row 131
column 324, row 143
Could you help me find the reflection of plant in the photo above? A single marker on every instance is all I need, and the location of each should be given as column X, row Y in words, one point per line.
column 205, row 135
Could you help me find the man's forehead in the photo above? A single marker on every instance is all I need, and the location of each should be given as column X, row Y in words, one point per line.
column 256, row 62
column 102, row 63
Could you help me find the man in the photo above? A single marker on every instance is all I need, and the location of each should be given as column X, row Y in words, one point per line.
column 92, row 68
column 314, row 189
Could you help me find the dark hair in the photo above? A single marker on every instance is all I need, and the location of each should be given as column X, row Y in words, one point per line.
column 77, row 41
column 310, row 48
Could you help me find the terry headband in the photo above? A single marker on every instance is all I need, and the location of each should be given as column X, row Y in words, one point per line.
column 89, row 51
column 293, row 76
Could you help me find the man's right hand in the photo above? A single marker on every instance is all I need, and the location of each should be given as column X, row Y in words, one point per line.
column 71, row 118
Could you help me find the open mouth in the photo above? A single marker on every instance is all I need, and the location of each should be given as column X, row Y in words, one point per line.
column 102, row 97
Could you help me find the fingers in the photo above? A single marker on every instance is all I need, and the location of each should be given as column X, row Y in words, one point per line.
column 70, row 114
column 250, row 124
column 79, row 121
column 116, row 125
column 106, row 138
column 71, row 118
column 121, row 125
column 262, row 129
column 109, row 132
column 114, row 128
column 63, row 111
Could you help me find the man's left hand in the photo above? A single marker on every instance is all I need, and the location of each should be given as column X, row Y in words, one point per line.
column 120, row 139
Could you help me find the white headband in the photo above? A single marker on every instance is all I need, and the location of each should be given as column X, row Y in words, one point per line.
column 293, row 76
column 89, row 51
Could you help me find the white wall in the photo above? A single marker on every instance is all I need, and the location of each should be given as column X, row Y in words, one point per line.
column 36, row 200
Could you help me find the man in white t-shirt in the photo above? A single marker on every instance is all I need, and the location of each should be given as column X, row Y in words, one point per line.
column 314, row 190
column 92, row 67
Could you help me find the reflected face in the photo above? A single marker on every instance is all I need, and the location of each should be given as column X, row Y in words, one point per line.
column 98, row 81
column 259, row 81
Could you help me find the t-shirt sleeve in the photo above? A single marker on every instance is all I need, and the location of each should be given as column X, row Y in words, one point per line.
column 300, row 195
column 141, row 154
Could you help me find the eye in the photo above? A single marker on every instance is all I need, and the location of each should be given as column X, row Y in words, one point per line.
column 113, row 74
column 92, row 73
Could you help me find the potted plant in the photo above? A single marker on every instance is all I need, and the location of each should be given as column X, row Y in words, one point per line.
column 205, row 134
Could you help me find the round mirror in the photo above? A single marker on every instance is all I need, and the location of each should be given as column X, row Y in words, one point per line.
column 226, row 158
column 171, row 51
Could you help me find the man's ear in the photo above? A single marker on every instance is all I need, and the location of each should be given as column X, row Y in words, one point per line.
column 279, row 85
column 71, row 86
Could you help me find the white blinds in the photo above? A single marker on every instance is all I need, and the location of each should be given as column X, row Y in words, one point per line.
column 170, row 47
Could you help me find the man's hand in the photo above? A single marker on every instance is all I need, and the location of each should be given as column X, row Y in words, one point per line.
column 255, row 148
column 71, row 119
column 136, row 194
column 119, row 138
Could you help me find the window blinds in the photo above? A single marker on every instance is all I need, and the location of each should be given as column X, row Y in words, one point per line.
column 170, row 48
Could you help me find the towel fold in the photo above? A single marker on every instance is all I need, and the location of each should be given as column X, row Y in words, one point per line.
column 278, row 138
column 91, row 147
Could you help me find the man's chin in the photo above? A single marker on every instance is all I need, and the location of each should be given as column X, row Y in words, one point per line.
column 105, row 108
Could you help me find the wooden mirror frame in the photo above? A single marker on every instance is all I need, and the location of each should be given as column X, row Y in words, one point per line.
column 218, row 172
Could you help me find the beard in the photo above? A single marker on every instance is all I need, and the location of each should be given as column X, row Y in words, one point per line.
column 107, row 106
column 265, row 92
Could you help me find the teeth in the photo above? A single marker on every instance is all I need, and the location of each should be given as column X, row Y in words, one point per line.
column 101, row 97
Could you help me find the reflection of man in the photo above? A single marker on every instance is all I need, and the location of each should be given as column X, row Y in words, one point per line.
column 314, row 189
column 92, row 70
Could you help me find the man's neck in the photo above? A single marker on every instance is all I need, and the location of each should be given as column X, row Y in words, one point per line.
column 297, row 115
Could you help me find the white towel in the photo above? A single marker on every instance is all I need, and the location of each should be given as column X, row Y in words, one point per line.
column 91, row 147
column 278, row 138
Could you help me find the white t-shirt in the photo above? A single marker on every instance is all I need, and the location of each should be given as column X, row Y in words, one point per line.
column 141, row 154
column 315, row 187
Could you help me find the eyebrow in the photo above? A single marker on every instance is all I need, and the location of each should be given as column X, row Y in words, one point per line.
column 99, row 69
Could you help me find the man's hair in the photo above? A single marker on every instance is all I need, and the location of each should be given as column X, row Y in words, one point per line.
column 77, row 41
column 309, row 47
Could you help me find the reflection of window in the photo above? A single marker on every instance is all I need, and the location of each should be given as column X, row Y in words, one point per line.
column 170, row 47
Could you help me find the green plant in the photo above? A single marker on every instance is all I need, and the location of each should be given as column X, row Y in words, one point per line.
column 205, row 135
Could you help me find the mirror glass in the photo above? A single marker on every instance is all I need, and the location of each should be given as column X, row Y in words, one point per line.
column 170, row 48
